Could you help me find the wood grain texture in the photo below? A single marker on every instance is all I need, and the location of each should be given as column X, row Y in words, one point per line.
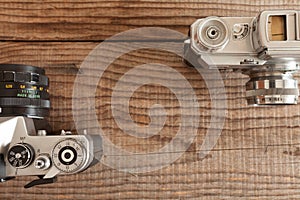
column 99, row 19
column 256, row 157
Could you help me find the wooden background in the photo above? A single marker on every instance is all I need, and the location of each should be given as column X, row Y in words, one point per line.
column 257, row 155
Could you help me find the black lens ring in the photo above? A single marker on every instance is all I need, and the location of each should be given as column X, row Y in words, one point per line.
column 38, row 113
column 21, row 85
column 22, row 68
column 18, row 93
column 24, row 102
column 23, row 91
column 23, row 77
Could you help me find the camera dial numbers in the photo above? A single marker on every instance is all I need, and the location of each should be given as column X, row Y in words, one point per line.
column 68, row 155
column 20, row 155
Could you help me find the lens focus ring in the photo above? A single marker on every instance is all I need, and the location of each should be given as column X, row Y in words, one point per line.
column 7, row 76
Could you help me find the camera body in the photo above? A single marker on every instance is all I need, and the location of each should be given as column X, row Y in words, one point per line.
column 266, row 47
column 29, row 152
column 25, row 147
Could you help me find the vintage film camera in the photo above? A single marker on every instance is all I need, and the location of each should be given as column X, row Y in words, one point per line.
column 266, row 48
column 25, row 147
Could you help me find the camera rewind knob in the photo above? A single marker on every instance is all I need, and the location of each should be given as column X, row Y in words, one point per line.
column 20, row 155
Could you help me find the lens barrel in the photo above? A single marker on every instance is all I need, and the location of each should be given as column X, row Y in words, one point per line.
column 23, row 91
column 272, row 87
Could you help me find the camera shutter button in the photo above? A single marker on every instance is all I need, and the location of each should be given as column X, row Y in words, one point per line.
column 237, row 28
column 42, row 162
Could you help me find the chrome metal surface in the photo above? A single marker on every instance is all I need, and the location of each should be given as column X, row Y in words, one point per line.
column 246, row 44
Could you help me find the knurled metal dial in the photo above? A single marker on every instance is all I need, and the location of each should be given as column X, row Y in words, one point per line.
column 69, row 155
column 20, row 155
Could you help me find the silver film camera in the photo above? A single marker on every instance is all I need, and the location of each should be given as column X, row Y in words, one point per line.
column 25, row 147
column 266, row 48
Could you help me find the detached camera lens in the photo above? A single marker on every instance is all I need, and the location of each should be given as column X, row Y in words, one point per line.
column 23, row 91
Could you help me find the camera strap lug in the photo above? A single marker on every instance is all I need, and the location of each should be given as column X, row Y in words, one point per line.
column 2, row 167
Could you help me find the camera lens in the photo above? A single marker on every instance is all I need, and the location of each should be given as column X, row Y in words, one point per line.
column 23, row 91
column 271, row 88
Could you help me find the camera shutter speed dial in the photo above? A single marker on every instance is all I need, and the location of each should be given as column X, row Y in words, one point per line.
column 20, row 155
column 69, row 155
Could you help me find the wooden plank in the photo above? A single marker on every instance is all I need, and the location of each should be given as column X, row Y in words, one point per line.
column 99, row 19
column 257, row 155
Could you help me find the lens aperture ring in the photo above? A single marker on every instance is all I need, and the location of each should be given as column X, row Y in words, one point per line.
column 25, row 90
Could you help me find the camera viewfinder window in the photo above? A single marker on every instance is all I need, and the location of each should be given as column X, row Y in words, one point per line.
column 277, row 28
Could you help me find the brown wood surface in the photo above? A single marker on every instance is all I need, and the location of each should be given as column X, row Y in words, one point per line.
column 99, row 19
column 257, row 155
